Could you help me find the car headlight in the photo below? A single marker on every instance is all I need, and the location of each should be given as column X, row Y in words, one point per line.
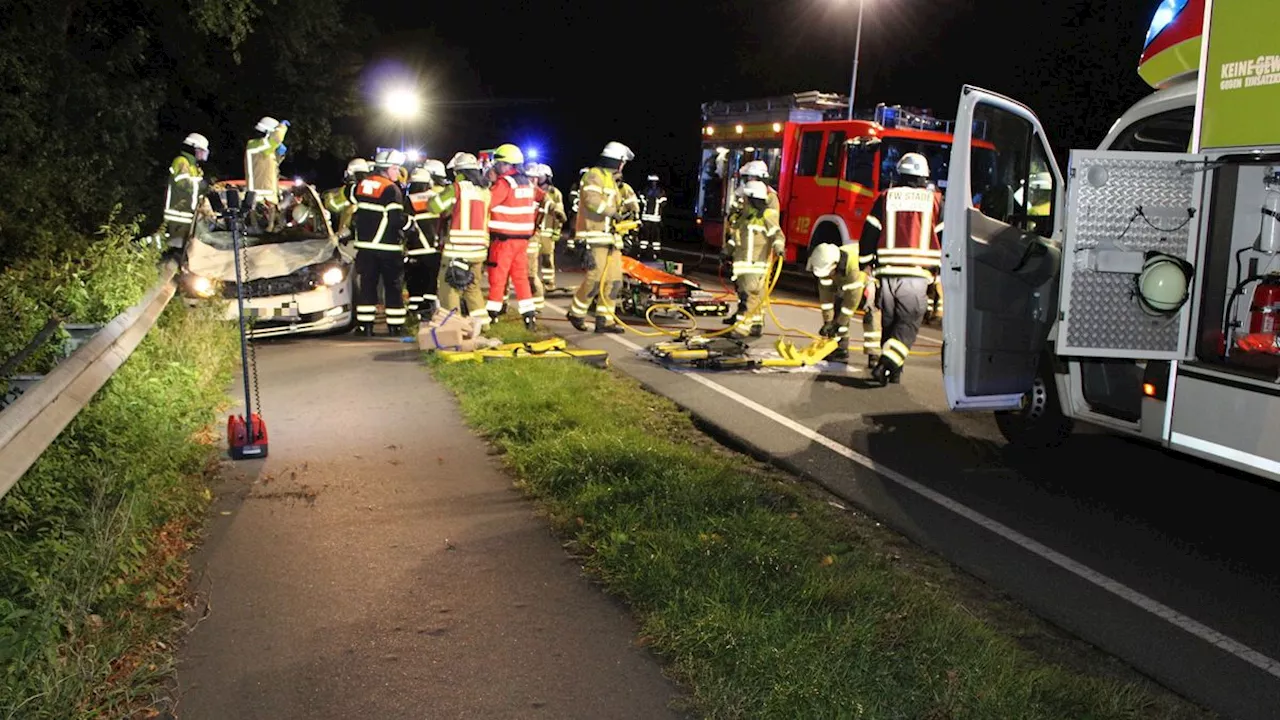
column 332, row 276
column 201, row 286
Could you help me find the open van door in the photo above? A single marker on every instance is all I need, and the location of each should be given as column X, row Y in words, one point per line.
column 1001, row 253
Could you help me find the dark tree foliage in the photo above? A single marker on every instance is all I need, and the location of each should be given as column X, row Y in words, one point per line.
column 96, row 97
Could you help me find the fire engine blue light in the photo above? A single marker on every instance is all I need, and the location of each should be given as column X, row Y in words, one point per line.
column 1166, row 12
column 531, row 153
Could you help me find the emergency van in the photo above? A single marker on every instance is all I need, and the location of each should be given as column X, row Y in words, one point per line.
column 1143, row 296
column 826, row 169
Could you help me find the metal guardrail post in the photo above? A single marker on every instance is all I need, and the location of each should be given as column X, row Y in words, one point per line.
column 34, row 421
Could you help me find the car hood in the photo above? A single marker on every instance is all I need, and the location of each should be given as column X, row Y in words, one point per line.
column 210, row 255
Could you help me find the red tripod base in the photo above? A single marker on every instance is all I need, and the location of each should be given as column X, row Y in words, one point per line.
column 246, row 440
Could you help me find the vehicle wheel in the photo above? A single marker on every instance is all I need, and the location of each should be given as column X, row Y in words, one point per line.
column 1040, row 423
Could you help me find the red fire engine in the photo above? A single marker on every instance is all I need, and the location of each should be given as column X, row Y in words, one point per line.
column 827, row 170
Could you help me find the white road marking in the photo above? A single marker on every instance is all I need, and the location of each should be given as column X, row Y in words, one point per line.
column 1173, row 617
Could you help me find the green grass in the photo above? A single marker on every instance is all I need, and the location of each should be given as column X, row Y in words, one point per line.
column 94, row 536
column 765, row 601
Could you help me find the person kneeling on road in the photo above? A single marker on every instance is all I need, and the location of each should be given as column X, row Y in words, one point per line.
column 599, row 206
column 842, row 287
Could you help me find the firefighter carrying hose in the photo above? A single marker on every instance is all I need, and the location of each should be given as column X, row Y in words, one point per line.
column 183, row 195
column 551, row 220
column 379, row 220
column 651, row 219
column 262, row 171
column 840, row 291
column 754, row 233
column 341, row 201
column 422, row 241
column 512, row 210
column 900, row 243
column 465, row 203
column 598, row 207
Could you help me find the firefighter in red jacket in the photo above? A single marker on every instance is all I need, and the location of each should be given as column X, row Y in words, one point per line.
column 512, row 211
column 379, row 220
column 900, row 245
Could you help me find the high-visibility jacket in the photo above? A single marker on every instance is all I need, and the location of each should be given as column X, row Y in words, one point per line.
column 753, row 232
column 845, row 285
column 901, row 235
column 628, row 202
column 379, row 214
column 183, row 194
column 341, row 204
column 551, row 215
column 597, row 207
column 423, row 237
column 467, row 206
column 262, row 165
column 512, row 207
column 651, row 205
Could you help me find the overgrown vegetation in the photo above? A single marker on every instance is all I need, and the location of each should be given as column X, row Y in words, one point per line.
column 766, row 602
column 93, row 537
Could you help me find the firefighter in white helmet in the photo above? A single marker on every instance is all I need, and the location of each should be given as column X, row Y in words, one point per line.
column 184, row 193
column 379, row 221
column 551, row 220
column 599, row 206
column 900, row 245
column 572, row 215
column 754, row 236
column 465, row 205
column 340, row 201
column 651, row 206
column 422, row 239
column 841, row 284
column 262, row 157
column 536, row 172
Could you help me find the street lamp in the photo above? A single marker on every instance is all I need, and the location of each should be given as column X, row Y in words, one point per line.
column 857, row 48
column 403, row 104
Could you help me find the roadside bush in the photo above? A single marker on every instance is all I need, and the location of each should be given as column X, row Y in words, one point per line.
column 93, row 537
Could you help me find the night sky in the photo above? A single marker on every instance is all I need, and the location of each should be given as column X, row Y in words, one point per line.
column 567, row 77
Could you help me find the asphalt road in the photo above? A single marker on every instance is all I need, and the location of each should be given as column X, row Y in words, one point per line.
column 1164, row 561
column 379, row 564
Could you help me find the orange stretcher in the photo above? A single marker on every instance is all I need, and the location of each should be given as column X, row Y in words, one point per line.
column 645, row 286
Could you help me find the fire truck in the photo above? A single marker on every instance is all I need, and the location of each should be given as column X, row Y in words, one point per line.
column 826, row 169
column 1143, row 298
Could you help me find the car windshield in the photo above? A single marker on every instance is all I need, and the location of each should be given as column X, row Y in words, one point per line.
column 938, row 154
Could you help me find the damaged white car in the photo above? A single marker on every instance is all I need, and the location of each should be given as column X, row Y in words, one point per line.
column 298, row 280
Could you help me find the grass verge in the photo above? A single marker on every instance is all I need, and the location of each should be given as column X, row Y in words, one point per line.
column 766, row 601
column 93, row 538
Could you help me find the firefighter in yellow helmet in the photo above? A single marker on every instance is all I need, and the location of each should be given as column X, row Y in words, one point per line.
column 262, row 157
column 599, row 206
column 841, row 285
column 754, row 236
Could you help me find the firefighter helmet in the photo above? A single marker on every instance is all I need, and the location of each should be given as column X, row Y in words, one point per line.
column 435, row 167
column 915, row 165
column 546, row 171
column 300, row 214
column 823, row 259
column 755, row 189
column 534, row 170
column 754, row 169
column 463, row 161
column 1163, row 284
column 618, row 151
column 267, row 124
column 357, row 165
column 196, row 141
column 652, row 178
column 388, row 158
column 508, row 153
column 420, row 175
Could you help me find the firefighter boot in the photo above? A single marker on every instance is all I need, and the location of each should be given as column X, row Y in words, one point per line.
column 603, row 327
column 428, row 310
column 840, row 354
column 493, row 316
column 579, row 324
column 757, row 331
column 881, row 372
column 530, row 321
column 734, row 318
column 365, row 330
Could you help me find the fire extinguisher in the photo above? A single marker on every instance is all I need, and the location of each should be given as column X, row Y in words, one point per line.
column 1265, row 306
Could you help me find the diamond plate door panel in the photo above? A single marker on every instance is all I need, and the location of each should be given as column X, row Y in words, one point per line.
column 1100, row 314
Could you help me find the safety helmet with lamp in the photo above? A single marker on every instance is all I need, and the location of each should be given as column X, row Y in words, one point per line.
column 914, row 165
column 617, row 151
column 358, row 165
column 1163, row 284
column 420, row 175
column 463, row 161
column 435, row 167
column 389, row 158
column 267, row 124
column 508, row 153
column 823, row 259
column 754, row 169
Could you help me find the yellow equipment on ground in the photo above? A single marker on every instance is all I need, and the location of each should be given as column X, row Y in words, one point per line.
column 551, row 349
column 722, row 353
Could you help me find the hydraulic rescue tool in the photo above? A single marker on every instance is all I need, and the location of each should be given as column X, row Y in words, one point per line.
column 247, row 433
column 550, row 349
column 731, row 354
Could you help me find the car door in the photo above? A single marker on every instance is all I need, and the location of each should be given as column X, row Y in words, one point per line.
column 1000, row 262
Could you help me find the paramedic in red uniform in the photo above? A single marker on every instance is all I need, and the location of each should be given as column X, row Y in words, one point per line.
column 512, row 212
column 900, row 246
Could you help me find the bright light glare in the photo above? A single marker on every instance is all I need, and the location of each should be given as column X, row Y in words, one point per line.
column 202, row 286
column 402, row 103
column 531, row 153
column 413, row 155
column 1165, row 14
column 332, row 276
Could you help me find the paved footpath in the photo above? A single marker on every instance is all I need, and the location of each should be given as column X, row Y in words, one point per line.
column 380, row 565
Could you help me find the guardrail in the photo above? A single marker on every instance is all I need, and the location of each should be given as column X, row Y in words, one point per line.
column 34, row 420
